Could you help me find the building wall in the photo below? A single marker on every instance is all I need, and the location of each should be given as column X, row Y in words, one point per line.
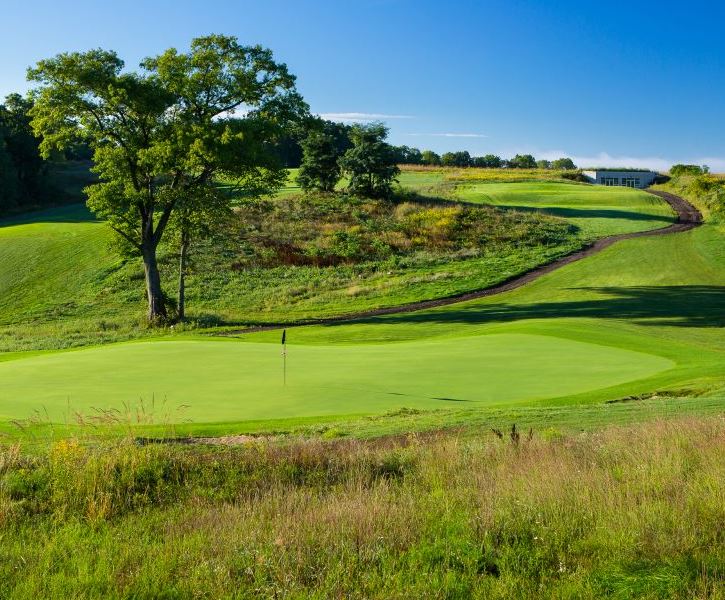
column 644, row 178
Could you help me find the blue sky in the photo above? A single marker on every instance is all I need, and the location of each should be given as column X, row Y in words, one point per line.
column 637, row 83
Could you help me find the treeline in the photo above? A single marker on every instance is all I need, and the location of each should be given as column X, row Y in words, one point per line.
column 22, row 169
column 290, row 149
column 463, row 158
column 25, row 179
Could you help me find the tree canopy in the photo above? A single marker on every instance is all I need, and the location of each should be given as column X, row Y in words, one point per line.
column 456, row 159
column 522, row 161
column 21, row 166
column 489, row 161
column 428, row 157
column 563, row 164
column 320, row 169
column 370, row 163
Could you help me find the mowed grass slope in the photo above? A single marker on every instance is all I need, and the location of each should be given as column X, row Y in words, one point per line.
column 48, row 258
column 596, row 210
column 62, row 286
column 663, row 295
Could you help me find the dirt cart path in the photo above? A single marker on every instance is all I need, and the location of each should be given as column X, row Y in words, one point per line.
column 688, row 217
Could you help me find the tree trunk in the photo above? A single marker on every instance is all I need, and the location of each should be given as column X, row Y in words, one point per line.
column 183, row 249
column 157, row 306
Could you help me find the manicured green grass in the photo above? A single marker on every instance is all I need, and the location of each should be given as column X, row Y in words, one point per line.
column 233, row 381
column 47, row 258
column 643, row 315
column 596, row 210
column 661, row 295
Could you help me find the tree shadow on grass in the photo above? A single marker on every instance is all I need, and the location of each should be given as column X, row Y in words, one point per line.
column 594, row 213
column 682, row 306
column 69, row 213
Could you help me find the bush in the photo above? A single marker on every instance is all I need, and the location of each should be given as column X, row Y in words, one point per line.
column 678, row 170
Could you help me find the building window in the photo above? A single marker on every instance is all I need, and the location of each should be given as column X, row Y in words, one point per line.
column 610, row 181
column 632, row 182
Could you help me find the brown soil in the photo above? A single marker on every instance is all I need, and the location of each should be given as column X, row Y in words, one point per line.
column 688, row 217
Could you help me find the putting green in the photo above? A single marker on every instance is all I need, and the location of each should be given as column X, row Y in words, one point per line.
column 231, row 380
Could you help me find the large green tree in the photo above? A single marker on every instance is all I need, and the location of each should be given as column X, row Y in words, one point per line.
column 162, row 135
column 370, row 163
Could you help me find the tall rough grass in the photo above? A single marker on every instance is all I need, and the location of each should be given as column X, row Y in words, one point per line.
column 632, row 512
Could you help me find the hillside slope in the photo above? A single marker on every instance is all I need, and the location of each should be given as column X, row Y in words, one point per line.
column 61, row 285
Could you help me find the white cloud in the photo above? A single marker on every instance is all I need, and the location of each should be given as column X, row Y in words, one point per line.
column 450, row 135
column 358, row 117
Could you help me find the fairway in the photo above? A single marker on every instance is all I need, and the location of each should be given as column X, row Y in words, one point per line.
column 596, row 210
column 48, row 257
column 229, row 380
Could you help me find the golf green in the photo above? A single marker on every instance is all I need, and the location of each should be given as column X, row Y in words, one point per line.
column 231, row 380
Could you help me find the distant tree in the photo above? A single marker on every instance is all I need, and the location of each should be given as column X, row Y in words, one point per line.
column 489, row 161
column 522, row 161
column 543, row 164
column 405, row 155
column 563, row 164
column 162, row 135
column 320, row 168
column 370, row 163
column 9, row 186
column 448, row 159
column 22, row 145
column 677, row 170
column 456, row 159
column 428, row 157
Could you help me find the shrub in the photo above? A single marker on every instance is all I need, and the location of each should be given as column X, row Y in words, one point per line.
column 678, row 170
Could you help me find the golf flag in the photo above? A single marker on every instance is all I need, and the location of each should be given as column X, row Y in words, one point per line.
column 284, row 356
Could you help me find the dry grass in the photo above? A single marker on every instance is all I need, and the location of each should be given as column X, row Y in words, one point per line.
column 625, row 512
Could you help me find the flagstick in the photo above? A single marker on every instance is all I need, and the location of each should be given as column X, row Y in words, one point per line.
column 284, row 356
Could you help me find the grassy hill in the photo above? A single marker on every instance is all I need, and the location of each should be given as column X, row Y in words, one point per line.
column 420, row 497
column 645, row 314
